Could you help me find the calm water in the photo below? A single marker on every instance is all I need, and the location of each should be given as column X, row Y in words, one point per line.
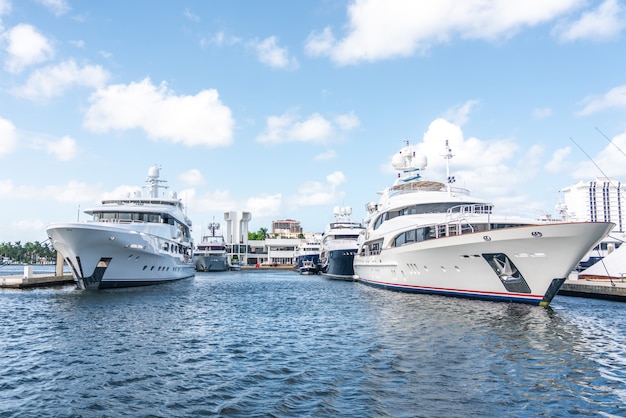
column 280, row 344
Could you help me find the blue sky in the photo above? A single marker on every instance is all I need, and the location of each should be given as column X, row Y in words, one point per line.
column 289, row 108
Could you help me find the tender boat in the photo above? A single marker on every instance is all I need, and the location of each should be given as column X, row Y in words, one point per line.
column 131, row 241
column 339, row 244
column 309, row 267
column 428, row 237
column 210, row 254
column 307, row 255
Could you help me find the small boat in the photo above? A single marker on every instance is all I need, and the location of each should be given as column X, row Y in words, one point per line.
column 309, row 267
column 210, row 254
column 130, row 241
column 339, row 245
column 429, row 237
column 307, row 255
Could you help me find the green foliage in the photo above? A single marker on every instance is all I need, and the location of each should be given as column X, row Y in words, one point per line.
column 31, row 252
column 260, row 235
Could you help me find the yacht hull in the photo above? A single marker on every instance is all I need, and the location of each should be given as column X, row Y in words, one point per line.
column 103, row 256
column 206, row 263
column 339, row 265
column 525, row 264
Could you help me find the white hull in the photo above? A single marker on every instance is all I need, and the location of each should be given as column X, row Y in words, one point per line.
column 115, row 255
column 543, row 255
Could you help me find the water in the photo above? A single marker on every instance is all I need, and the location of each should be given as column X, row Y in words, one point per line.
column 281, row 344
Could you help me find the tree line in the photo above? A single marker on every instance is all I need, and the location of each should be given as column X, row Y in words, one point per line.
column 30, row 252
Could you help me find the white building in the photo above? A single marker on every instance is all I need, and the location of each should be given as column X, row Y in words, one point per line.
column 602, row 200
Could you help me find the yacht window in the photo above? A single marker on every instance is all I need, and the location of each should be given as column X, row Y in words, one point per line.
column 400, row 240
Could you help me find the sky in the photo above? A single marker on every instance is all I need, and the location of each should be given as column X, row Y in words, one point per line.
column 287, row 109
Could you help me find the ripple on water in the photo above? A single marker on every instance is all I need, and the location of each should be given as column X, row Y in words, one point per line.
column 281, row 344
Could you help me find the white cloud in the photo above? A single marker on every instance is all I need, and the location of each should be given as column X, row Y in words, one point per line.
column 382, row 29
column 220, row 39
column 25, row 46
column 559, row 163
column 264, row 205
column 193, row 120
column 347, row 122
column 54, row 80
column 5, row 9
column 328, row 155
column 8, row 137
column 190, row 15
column 542, row 113
column 29, row 225
column 192, row 177
column 614, row 98
column 335, row 178
column 74, row 191
column 609, row 161
column 65, row 149
column 459, row 114
column 605, row 22
column 314, row 193
column 214, row 201
column 57, row 7
column 270, row 53
column 289, row 127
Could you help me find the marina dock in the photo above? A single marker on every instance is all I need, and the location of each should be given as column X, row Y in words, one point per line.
column 17, row 281
column 614, row 289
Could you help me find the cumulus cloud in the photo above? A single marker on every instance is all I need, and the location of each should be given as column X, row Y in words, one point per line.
column 65, row 149
column 5, row 8
column 610, row 161
column 192, row 177
column 54, row 80
column 315, row 193
column 459, row 115
column 271, row 54
column 290, row 127
column 542, row 113
column 328, row 155
column 264, row 205
column 381, row 29
column 605, row 22
column 559, row 163
column 25, row 46
column 193, row 120
column 8, row 137
column 614, row 98
column 220, row 39
column 214, row 201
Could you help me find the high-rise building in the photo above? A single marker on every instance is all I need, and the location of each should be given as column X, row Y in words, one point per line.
column 601, row 200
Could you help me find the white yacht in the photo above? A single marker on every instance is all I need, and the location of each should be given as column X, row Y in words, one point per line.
column 339, row 244
column 210, row 254
column 131, row 241
column 428, row 237
column 307, row 255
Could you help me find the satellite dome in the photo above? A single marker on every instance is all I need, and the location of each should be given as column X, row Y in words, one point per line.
column 153, row 172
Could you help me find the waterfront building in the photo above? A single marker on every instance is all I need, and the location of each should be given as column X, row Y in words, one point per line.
column 600, row 200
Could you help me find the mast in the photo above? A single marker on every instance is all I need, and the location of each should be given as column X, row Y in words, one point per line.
column 153, row 181
column 447, row 156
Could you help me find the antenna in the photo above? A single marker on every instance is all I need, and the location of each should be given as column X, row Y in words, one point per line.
column 609, row 139
column 448, row 156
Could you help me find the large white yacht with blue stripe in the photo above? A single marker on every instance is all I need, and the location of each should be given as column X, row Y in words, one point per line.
column 132, row 241
column 428, row 237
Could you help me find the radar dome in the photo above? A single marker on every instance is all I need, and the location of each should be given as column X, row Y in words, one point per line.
column 420, row 161
column 153, row 172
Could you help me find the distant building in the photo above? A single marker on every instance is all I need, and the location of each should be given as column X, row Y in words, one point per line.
column 602, row 200
column 287, row 228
